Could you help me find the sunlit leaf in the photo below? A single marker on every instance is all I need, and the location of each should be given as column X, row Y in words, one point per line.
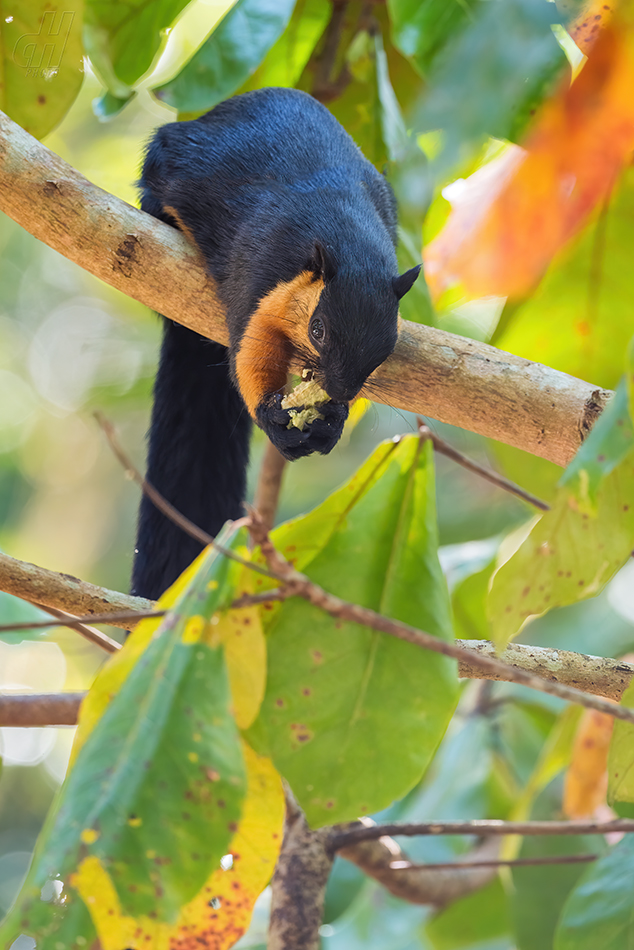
column 124, row 39
column 598, row 913
column 573, row 550
column 229, row 56
column 285, row 61
column 167, row 731
column 352, row 717
column 41, row 66
column 512, row 217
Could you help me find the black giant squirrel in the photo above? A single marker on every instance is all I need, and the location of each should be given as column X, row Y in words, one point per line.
column 298, row 230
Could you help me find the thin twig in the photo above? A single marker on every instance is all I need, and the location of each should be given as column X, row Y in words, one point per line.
column 164, row 506
column 344, row 836
column 517, row 863
column 114, row 619
column 263, row 597
column 89, row 633
column 245, row 600
column 382, row 858
column 451, row 453
column 295, row 583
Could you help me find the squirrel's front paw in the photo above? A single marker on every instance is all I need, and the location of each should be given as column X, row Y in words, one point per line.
column 321, row 435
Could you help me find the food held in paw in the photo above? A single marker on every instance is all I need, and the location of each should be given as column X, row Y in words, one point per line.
column 309, row 395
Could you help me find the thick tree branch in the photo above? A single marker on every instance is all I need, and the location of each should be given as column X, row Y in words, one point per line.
column 593, row 674
column 65, row 592
column 437, row 374
column 299, row 884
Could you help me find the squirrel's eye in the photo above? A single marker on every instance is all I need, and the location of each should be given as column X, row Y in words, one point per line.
column 317, row 330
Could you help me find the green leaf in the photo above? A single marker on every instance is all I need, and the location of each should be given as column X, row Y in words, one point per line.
column 352, row 717
column 600, row 910
column 168, row 733
column 124, row 39
column 16, row 610
column 468, row 601
column 412, row 187
column 41, row 66
column 572, row 551
column 285, row 61
column 579, row 319
column 229, row 56
column 108, row 106
column 540, row 892
column 421, row 28
column 489, row 74
column 481, row 916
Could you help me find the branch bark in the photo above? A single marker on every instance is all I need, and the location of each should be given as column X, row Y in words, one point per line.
column 593, row 674
column 344, row 836
column 299, row 884
column 599, row 676
column 267, row 490
column 65, row 592
column 416, row 883
column 436, row 374
column 44, row 709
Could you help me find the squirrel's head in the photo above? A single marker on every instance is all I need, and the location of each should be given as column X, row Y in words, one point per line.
column 354, row 326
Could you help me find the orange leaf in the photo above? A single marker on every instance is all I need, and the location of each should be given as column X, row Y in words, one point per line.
column 513, row 215
column 586, row 26
column 587, row 777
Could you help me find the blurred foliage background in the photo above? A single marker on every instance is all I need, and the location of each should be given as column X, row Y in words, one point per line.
column 438, row 95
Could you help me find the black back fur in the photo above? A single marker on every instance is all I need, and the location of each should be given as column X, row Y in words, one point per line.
column 264, row 182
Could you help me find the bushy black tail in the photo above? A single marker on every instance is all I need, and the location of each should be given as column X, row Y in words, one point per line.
column 197, row 457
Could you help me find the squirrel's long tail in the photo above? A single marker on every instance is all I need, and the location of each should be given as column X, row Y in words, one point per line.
column 197, row 456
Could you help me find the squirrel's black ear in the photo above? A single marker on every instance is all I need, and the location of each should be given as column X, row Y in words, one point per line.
column 404, row 282
column 322, row 263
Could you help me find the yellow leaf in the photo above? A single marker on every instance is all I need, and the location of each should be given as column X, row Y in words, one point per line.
column 587, row 778
column 220, row 914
